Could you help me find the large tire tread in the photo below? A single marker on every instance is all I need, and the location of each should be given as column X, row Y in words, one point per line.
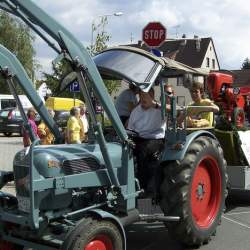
column 175, row 192
column 86, row 229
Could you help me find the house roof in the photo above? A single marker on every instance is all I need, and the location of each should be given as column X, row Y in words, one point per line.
column 187, row 51
column 241, row 77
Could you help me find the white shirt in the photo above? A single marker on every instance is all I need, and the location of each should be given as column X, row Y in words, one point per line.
column 147, row 122
column 85, row 123
column 127, row 96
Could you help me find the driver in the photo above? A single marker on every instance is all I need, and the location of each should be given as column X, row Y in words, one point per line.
column 147, row 122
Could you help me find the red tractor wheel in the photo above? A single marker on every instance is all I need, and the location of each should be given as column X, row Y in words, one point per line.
column 195, row 190
column 206, row 192
column 91, row 234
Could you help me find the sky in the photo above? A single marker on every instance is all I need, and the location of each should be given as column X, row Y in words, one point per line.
column 226, row 21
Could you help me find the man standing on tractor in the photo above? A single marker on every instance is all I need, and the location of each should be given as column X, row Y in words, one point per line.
column 126, row 102
column 147, row 122
column 168, row 88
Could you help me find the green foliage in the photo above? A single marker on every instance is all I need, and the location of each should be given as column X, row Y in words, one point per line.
column 246, row 64
column 101, row 40
column 17, row 37
column 53, row 80
column 102, row 37
column 100, row 43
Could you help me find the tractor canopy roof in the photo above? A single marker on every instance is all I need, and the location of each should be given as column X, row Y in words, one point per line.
column 139, row 66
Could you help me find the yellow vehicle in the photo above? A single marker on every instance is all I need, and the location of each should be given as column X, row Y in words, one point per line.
column 60, row 103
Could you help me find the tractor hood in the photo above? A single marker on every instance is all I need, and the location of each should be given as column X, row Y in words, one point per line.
column 138, row 66
column 51, row 161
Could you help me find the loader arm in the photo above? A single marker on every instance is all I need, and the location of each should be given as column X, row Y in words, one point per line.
column 68, row 47
column 39, row 21
column 16, row 72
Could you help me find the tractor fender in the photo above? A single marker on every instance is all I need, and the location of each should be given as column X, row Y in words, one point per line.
column 170, row 153
column 106, row 215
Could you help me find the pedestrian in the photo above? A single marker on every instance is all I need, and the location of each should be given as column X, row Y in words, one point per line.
column 74, row 127
column 126, row 102
column 147, row 122
column 45, row 135
column 31, row 114
column 83, row 117
column 168, row 89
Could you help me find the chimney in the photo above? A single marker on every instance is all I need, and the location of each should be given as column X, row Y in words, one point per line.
column 197, row 43
column 183, row 42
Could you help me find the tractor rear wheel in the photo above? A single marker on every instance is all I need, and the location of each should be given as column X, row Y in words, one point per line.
column 195, row 190
column 91, row 234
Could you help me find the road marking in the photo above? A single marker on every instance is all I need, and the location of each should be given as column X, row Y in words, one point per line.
column 235, row 213
column 236, row 222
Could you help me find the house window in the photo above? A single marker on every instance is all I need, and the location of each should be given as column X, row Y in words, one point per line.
column 179, row 81
column 181, row 100
column 213, row 63
column 208, row 62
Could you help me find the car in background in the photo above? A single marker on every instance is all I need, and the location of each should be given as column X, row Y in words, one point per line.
column 11, row 121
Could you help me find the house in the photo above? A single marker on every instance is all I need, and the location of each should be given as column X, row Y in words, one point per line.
column 241, row 77
column 196, row 52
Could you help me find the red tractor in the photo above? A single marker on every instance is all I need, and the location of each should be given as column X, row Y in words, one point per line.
column 233, row 101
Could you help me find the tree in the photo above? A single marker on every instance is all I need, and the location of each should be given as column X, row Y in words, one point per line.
column 246, row 64
column 17, row 37
column 53, row 80
column 102, row 38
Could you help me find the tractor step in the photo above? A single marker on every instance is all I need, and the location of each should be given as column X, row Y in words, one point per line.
column 158, row 217
column 151, row 212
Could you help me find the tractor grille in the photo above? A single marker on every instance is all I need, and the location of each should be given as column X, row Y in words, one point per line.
column 80, row 166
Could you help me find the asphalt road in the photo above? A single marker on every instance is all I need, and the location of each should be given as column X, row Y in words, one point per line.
column 233, row 233
column 9, row 146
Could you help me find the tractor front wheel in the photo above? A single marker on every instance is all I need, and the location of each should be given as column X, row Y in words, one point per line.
column 91, row 234
column 195, row 189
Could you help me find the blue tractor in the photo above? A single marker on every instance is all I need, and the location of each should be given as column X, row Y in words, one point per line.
column 82, row 196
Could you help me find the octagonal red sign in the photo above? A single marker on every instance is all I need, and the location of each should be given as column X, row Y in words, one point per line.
column 154, row 34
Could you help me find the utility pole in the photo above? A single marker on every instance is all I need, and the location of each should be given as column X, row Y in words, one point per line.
column 131, row 37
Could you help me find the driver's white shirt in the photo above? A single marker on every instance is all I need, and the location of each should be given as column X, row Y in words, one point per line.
column 147, row 123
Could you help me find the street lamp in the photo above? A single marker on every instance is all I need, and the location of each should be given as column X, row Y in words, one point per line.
column 93, row 24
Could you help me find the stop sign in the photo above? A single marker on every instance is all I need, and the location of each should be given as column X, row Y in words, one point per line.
column 154, row 34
